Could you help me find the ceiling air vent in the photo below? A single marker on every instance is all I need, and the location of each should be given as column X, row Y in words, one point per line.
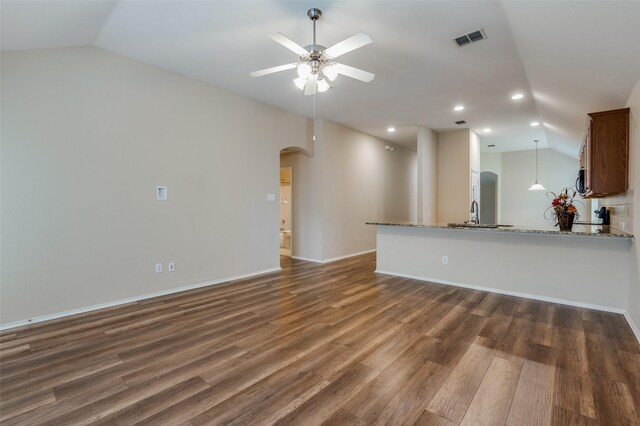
column 471, row 37
column 461, row 122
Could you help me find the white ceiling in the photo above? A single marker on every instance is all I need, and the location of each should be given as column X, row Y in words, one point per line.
column 568, row 58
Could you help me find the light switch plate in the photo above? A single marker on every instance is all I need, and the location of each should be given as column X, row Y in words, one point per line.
column 271, row 197
column 162, row 193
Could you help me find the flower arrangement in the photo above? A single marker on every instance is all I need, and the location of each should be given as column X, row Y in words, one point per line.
column 563, row 203
column 563, row 208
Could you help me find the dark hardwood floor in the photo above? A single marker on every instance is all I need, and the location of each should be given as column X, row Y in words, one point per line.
column 333, row 344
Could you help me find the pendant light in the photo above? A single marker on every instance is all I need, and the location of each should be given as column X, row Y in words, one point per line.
column 536, row 186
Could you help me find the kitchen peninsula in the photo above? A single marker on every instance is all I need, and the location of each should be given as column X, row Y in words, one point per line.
column 588, row 267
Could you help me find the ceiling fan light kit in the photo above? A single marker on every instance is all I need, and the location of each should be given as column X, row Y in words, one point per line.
column 316, row 64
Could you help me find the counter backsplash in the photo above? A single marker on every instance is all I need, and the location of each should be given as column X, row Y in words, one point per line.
column 621, row 207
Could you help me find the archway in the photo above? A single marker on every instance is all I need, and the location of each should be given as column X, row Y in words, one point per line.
column 292, row 162
column 488, row 198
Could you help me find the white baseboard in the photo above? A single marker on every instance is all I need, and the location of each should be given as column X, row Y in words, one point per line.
column 633, row 325
column 333, row 259
column 84, row 309
column 510, row 293
column 76, row 311
column 306, row 259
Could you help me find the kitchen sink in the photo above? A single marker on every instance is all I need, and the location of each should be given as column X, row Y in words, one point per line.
column 470, row 225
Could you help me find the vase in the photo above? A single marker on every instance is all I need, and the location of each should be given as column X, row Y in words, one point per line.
column 565, row 221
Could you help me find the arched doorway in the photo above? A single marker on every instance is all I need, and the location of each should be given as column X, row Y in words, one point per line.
column 488, row 198
column 292, row 162
column 286, row 210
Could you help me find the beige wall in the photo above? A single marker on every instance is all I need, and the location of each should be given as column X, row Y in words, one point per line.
column 474, row 153
column 454, row 176
column 633, row 307
column 427, row 175
column 87, row 136
column 526, row 208
column 491, row 162
column 361, row 182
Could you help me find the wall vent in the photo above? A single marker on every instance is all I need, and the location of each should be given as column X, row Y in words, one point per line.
column 471, row 37
column 460, row 122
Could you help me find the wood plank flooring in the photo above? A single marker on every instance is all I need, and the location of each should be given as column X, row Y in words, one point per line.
column 331, row 344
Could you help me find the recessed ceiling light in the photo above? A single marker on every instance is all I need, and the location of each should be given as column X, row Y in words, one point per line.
column 534, row 124
column 458, row 107
column 391, row 129
column 517, row 96
column 487, row 130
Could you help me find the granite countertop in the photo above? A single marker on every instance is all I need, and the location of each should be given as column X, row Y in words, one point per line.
column 599, row 231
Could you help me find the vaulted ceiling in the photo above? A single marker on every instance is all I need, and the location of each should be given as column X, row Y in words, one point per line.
column 567, row 57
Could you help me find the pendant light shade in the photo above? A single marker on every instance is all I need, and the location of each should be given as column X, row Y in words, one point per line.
column 537, row 186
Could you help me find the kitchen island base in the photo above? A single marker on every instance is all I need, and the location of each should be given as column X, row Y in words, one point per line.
column 583, row 271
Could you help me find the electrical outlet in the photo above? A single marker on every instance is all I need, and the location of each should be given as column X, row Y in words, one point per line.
column 445, row 260
column 171, row 267
column 158, row 268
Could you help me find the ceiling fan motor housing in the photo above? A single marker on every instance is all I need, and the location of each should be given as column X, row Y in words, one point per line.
column 315, row 51
column 314, row 13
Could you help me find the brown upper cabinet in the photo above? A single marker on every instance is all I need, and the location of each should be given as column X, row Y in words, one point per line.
column 604, row 155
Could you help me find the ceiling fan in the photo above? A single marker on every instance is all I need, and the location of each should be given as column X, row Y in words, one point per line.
column 316, row 64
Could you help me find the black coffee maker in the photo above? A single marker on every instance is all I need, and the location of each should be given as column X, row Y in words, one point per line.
column 604, row 214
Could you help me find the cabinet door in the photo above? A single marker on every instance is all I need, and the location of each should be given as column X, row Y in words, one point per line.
column 609, row 152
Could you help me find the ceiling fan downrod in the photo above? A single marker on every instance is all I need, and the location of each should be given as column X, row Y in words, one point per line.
column 314, row 14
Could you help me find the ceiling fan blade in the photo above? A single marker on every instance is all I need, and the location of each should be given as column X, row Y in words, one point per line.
column 311, row 87
column 346, row 46
column 271, row 70
column 288, row 43
column 356, row 73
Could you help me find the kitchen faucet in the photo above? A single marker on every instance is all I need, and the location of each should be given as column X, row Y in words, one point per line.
column 474, row 213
